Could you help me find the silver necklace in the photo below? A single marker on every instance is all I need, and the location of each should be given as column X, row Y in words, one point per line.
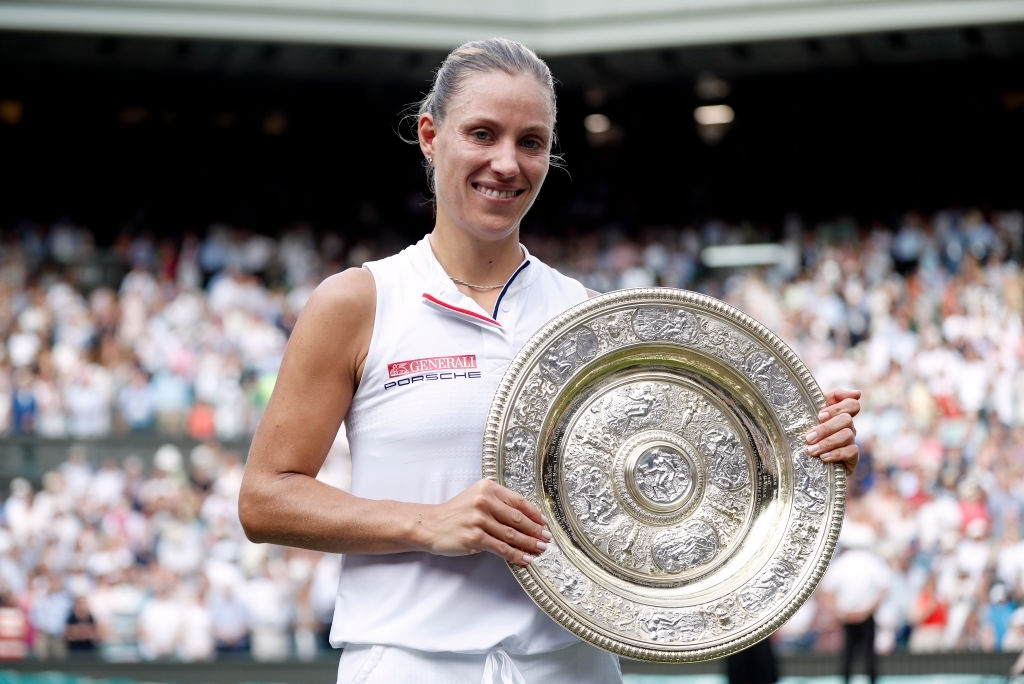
column 430, row 241
column 475, row 287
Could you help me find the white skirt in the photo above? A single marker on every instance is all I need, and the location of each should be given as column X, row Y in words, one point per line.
column 374, row 664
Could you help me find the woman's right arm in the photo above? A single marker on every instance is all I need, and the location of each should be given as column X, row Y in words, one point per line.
column 282, row 502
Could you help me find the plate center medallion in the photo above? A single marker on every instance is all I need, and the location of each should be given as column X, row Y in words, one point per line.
column 660, row 477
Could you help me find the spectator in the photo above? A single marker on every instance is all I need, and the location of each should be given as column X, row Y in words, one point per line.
column 172, row 400
column 81, row 633
column 49, row 610
column 307, row 625
column 231, row 621
column 24, row 407
column 755, row 664
column 1014, row 639
column 856, row 584
column 89, row 400
column 798, row 634
column 928, row 619
column 196, row 642
column 14, row 627
column 892, row 619
column 51, row 412
column 179, row 545
column 270, row 602
column 108, row 486
column 116, row 603
column 17, row 511
column 76, row 472
column 136, row 403
column 161, row 619
column 996, row 618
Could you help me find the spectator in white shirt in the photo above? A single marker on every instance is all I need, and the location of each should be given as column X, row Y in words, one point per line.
column 856, row 584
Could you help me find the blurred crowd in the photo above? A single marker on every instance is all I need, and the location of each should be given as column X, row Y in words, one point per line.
column 144, row 558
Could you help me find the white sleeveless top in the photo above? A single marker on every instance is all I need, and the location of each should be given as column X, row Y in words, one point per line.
column 415, row 431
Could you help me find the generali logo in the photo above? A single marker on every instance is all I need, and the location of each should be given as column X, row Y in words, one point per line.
column 433, row 363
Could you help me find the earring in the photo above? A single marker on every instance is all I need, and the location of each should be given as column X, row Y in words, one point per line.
column 430, row 160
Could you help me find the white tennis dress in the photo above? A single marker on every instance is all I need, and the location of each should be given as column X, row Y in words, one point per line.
column 415, row 430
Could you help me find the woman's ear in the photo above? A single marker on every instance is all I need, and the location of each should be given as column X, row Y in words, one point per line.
column 427, row 132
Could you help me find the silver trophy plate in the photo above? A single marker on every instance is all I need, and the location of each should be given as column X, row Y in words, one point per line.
column 661, row 432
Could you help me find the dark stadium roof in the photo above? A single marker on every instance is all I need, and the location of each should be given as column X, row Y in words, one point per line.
column 238, row 59
column 118, row 131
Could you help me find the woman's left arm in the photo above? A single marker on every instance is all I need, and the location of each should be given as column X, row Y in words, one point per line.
column 834, row 440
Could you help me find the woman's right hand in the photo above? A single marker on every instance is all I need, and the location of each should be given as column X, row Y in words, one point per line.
column 484, row 517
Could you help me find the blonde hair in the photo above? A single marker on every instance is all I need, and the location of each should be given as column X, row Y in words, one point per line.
column 494, row 54
column 478, row 56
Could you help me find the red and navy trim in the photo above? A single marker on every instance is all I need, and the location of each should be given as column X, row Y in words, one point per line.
column 497, row 303
column 459, row 311
column 473, row 316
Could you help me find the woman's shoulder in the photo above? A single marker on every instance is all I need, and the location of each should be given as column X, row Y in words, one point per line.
column 561, row 280
column 337, row 320
column 346, row 293
column 353, row 280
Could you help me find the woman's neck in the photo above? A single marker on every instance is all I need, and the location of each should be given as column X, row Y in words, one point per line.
column 477, row 265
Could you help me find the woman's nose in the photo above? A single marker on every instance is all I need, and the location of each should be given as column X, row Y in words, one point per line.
column 505, row 163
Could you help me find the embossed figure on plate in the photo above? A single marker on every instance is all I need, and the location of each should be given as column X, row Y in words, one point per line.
column 811, row 484
column 662, row 475
column 520, row 450
column 632, row 406
column 650, row 323
column 722, row 617
column 567, row 579
column 772, row 380
column 767, row 588
column 591, row 496
column 728, row 468
column 673, row 627
column 690, row 546
column 571, row 351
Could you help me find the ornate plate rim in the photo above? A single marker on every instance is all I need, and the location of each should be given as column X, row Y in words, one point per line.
column 695, row 302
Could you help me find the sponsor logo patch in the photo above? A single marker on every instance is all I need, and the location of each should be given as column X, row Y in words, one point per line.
column 457, row 367
column 433, row 363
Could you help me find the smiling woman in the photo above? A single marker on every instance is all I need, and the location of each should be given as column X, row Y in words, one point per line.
column 417, row 600
column 408, row 351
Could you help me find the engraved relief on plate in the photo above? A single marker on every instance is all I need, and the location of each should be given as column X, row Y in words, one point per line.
column 661, row 433
column 630, row 478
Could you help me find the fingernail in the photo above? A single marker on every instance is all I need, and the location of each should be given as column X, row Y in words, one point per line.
column 812, row 436
column 823, row 415
column 546, row 534
column 813, row 449
column 527, row 558
column 541, row 546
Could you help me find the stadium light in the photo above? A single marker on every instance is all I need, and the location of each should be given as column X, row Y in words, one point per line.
column 597, row 123
column 713, row 121
column 738, row 256
column 601, row 132
column 11, row 112
column 714, row 115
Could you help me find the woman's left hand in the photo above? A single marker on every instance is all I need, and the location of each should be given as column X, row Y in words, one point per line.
column 834, row 440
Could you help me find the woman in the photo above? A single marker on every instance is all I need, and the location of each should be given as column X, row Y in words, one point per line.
column 408, row 351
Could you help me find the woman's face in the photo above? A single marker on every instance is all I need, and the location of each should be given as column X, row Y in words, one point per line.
column 491, row 153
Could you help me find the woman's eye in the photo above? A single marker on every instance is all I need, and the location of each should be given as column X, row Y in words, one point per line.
column 481, row 135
